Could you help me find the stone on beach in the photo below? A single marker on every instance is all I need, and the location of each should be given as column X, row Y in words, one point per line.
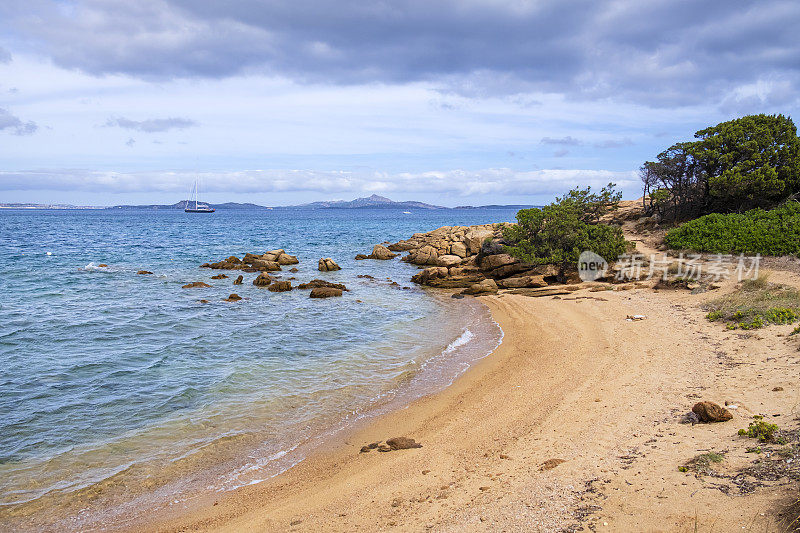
column 532, row 282
column 195, row 285
column 402, row 443
column 711, row 412
column 487, row 286
column 326, row 264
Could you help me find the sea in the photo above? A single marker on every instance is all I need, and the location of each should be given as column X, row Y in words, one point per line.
column 121, row 391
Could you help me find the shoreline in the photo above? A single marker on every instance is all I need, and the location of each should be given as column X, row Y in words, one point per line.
column 573, row 381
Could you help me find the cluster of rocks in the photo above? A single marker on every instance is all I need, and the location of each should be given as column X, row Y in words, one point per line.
column 473, row 258
column 379, row 251
column 269, row 262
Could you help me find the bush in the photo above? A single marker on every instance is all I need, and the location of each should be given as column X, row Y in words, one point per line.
column 773, row 232
column 758, row 429
column 559, row 232
column 756, row 304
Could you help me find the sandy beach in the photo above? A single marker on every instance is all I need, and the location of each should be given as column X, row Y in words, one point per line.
column 573, row 381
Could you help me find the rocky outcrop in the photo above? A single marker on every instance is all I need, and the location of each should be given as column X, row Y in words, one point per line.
column 263, row 280
column 280, row 286
column 326, row 264
column 268, row 262
column 487, row 286
column 379, row 251
column 522, row 282
column 238, row 280
column 195, row 285
column 219, row 276
column 325, row 292
column 319, row 283
column 232, row 298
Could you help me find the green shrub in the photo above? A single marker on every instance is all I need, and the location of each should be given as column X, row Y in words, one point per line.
column 559, row 232
column 756, row 304
column 773, row 232
column 758, row 429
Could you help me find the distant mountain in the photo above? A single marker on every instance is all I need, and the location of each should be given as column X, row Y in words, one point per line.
column 182, row 205
column 46, row 206
column 374, row 201
column 497, row 206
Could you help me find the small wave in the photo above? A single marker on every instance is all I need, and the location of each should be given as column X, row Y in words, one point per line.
column 91, row 267
column 463, row 339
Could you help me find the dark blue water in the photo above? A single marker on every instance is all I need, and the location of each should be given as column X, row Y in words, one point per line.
column 106, row 371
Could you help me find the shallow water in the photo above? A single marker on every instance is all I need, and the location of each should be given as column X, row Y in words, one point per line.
column 113, row 380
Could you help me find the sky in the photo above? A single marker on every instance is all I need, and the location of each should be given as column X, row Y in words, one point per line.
column 456, row 102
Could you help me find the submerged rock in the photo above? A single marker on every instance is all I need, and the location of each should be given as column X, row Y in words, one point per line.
column 232, row 298
column 326, row 264
column 325, row 292
column 195, row 285
column 238, row 281
column 144, row 272
column 219, row 276
column 280, row 286
column 315, row 283
column 263, row 280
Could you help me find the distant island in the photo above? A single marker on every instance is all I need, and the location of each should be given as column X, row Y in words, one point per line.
column 371, row 202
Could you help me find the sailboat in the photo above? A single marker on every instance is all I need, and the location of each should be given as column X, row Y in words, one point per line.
column 198, row 207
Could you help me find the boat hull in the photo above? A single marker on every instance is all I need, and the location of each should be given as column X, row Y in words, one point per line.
column 199, row 210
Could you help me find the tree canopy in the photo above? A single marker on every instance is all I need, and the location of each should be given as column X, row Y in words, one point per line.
column 559, row 232
column 749, row 162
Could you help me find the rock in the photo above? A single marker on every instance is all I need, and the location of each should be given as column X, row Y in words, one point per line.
column 711, row 412
column 508, row 270
column 531, row 282
column 233, row 259
column 402, row 246
column 425, row 276
column 232, row 298
column 266, row 266
column 249, row 258
column 286, row 259
column 449, row 260
column 325, row 292
column 487, row 286
column 459, row 249
column 427, row 255
column 491, row 262
column 402, row 443
column 294, row 270
column 381, row 252
column 203, row 301
column 263, row 280
column 238, row 281
column 219, row 276
column 360, row 257
column 550, row 464
column 195, row 285
column 326, row 264
column 474, row 238
column 777, row 389
column 319, row 283
column 145, row 272
column 280, row 286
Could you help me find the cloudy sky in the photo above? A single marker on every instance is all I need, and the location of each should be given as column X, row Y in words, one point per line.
column 452, row 102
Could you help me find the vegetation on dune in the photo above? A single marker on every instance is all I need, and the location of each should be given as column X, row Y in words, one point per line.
column 559, row 232
column 741, row 164
column 773, row 232
column 763, row 431
column 756, row 304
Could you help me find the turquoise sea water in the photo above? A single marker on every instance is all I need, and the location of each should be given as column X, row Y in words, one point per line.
column 116, row 386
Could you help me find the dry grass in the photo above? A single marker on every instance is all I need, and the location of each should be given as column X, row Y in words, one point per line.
column 755, row 304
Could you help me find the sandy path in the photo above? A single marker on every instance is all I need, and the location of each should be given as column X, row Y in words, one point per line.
column 573, row 380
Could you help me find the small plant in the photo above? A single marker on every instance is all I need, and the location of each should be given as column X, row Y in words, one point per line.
column 682, row 469
column 701, row 463
column 757, row 303
column 713, row 316
column 795, row 331
column 761, row 430
column 753, row 449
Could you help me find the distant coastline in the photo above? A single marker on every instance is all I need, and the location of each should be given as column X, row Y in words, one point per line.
column 371, row 202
